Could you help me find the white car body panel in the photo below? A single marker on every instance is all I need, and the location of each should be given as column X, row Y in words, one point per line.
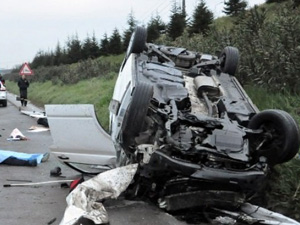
column 121, row 97
column 124, row 78
column 78, row 137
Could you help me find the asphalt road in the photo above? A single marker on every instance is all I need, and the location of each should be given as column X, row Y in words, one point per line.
column 29, row 205
column 38, row 205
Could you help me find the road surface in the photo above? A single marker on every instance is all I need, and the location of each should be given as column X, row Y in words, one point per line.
column 29, row 205
column 42, row 204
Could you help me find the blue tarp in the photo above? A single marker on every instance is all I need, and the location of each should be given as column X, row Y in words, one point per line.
column 20, row 155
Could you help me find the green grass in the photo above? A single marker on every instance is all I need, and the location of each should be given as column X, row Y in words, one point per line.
column 96, row 91
column 265, row 99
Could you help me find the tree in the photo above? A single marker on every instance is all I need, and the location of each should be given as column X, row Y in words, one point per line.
column 95, row 49
column 74, row 49
column 177, row 22
column 234, row 7
column 154, row 28
column 38, row 59
column 104, row 45
column 202, row 18
column 90, row 48
column 115, row 43
column 86, row 48
column 132, row 23
column 58, row 55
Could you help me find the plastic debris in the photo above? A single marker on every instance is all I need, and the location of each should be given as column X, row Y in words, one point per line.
column 83, row 201
column 16, row 135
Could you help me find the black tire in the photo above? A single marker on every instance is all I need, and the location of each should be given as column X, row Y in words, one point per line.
column 4, row 103
column 282, row 134
column 229, row 60
column 293, row 151
column 137, row 111
column 137, row 41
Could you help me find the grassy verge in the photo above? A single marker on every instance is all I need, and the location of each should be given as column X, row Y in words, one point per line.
column 265, row 99
column 96, row 91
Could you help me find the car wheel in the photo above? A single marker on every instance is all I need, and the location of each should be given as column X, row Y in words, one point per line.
column 293, row 151
column 135, row 116
column 280, row 139
column 229, row 60
column 4, row 103
column 137, row 41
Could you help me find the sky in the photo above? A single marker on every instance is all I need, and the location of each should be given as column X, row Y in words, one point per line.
column 32, row 25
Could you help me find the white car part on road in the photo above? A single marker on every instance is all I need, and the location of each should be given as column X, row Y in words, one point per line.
column 78, row 137
column 83, row 201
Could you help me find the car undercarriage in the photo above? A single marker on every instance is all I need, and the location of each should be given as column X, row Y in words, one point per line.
column 197, row 136
column 199, row 142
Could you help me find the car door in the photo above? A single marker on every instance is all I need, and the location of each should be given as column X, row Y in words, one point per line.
column 78, row 138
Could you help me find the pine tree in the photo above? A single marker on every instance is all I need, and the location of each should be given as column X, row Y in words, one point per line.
column 86, row 48
column 154, row 28
column 202, row 18
column 115, row 43
column 104, row 45
column 57, row 55
column 37, row 60
column 234, row 7
column 177, row 22
column 95, row 49
column 74, row 49
column 132, row 23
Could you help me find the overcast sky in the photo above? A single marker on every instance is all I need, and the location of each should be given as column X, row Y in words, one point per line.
column 33, row 25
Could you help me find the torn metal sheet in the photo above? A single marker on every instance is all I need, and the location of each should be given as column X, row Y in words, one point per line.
column 83, row 201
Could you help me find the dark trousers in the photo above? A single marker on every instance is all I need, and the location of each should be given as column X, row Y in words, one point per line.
column 19, row 162
column 23, row 96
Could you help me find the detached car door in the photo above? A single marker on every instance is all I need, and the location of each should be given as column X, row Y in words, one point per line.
column 78, row 138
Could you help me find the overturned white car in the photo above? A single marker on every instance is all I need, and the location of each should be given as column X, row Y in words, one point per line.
column 186, row 120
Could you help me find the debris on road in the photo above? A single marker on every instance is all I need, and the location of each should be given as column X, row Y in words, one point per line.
column 51, row 221
column 55, row 172
column 16, row 135
column 18, row 180
column 41, row 116
column 36, row 129
column 83, row 201
column 37, row 183
column 34, row 114
column 43, row 121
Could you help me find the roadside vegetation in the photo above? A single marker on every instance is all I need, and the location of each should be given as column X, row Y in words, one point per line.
column 268, row 37
column 97, row 91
